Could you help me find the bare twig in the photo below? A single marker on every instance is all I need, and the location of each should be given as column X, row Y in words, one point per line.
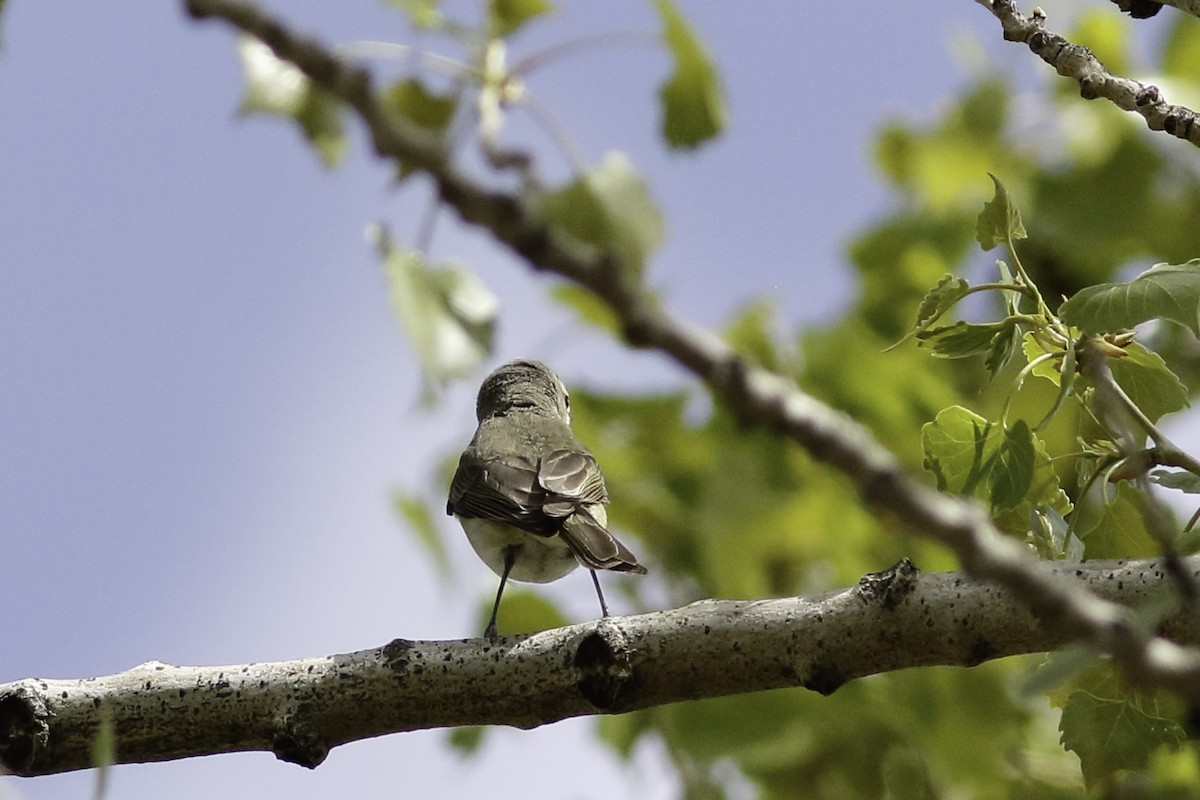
column 1077, row 62
column 301, row 709
column 758, row 396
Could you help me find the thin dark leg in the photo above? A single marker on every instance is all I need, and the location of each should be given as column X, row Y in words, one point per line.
column 510, row 558
column 600, row 594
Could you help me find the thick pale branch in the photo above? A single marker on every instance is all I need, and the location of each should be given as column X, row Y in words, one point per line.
column 1077, row 62
column 300, row 709
column 758, row 396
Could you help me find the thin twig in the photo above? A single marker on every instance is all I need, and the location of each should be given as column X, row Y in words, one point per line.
column 1077, row 62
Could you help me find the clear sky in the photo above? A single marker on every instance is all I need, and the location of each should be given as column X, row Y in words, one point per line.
column 206, row 403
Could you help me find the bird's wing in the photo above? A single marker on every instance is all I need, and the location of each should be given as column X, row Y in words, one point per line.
column 505, row 489
column 572, row 479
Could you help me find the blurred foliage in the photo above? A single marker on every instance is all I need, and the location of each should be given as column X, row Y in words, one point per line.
column 720, row 510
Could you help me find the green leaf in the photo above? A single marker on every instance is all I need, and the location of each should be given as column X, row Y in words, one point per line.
column 608, row 207
column 753, row 334
column 522, row 611
column 415, row 512
column 1052, row 537
column 906, row 775
column 1006, row 342
column 1111, row 735
column 966, row 339
column 417, row 105
column 693, row 107
column 1014, row 467
column 590, row 308
column 1181, row 51
column 1183, row 481
column 1012, row 298
column 275, row 86
column 999, row 221
column 1116, row 528
column 421, row 13
column 960, row 450
column 940, row 299
column 1009, row 470
column 937, row 301
column 467, row 739
column 450, row 316
column 1148, row 381
column 1034, row 350
column 507, row 16
column 622, row 731
column 1165, row 291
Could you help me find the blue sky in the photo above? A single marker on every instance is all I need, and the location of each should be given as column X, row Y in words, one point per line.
column 206, row 403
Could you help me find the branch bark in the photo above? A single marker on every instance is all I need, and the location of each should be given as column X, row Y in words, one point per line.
column 301, row 709
column 1077, row 62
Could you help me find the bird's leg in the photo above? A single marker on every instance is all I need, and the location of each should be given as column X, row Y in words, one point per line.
column 600, row 594
column 510, row 558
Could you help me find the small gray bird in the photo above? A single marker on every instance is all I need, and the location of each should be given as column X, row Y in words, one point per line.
column 530, row 496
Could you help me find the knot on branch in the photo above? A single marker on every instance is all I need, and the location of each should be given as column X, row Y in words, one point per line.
column 298, row 743
column 890, row 587
column 23, row 729
column 605, row 670
column 396, row 654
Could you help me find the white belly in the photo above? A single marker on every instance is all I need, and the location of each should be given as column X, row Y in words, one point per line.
column 539, row 559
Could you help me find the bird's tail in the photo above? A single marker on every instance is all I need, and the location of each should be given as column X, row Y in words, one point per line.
column 595, row 547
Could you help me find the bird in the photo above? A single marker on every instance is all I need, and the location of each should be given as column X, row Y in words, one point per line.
column 530, row 497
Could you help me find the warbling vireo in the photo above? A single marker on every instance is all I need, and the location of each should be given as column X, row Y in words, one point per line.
column 530, row 496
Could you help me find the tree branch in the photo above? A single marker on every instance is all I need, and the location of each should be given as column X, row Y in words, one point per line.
column 758, row 396
column 301, row 709
column 1186, row 6
column 1076, row 61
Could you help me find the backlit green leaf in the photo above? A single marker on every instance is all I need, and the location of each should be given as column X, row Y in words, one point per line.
column 693, row 108
column 275, row 86
column 1181, row 51
column 941, row 298
column 1111, row 735
column 1047, row 368
column 422, row 13
column 1004, row 344
column 415, row 512
column 590, row 308
column 1014, row 467
column 523, row 611
column 467, row 738
column 450, row 316
column 999, row 221
column 997, row 340
column 507, row 16
column 1183, row 481
column 937, row 301
column 1115, row 527
column 608, row 207
column 411, row 100
column 1148, row 381
column 1165, row 291
column 1008, row 470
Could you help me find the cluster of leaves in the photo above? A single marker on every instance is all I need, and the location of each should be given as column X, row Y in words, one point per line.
column 1006, row 410
column 606, row 207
